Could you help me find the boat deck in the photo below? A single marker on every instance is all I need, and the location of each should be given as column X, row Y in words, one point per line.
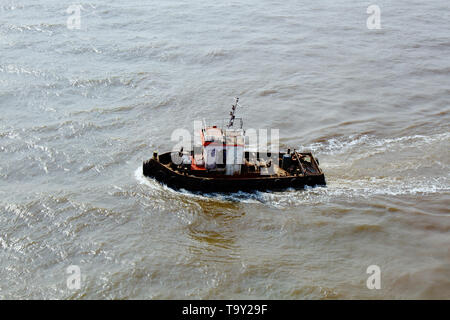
column 253, row 167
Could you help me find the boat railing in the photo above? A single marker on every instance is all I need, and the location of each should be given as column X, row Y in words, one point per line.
column 223, row 124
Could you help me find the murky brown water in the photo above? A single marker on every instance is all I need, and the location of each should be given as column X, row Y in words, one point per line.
column 81, row 109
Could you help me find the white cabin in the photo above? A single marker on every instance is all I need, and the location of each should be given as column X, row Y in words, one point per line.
column 222, row 150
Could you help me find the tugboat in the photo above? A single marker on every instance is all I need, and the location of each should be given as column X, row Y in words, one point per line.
column 221, row 164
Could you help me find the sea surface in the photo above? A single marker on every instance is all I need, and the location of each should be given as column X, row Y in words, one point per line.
column 81, row 108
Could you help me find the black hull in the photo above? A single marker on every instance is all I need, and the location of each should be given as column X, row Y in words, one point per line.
column 164, row 174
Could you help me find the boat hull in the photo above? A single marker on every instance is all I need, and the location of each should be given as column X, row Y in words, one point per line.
column 152, row 168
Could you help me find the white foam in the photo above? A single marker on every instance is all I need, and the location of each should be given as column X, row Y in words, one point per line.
column 156, row 186
column 337, row 146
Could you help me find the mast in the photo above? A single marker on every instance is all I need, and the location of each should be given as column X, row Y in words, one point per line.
column 232, row 116
column 233, row 109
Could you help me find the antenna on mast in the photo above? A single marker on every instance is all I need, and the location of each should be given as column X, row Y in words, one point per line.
column 233, row 109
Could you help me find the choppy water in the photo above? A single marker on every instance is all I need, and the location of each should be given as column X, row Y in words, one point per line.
column 81, row 109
